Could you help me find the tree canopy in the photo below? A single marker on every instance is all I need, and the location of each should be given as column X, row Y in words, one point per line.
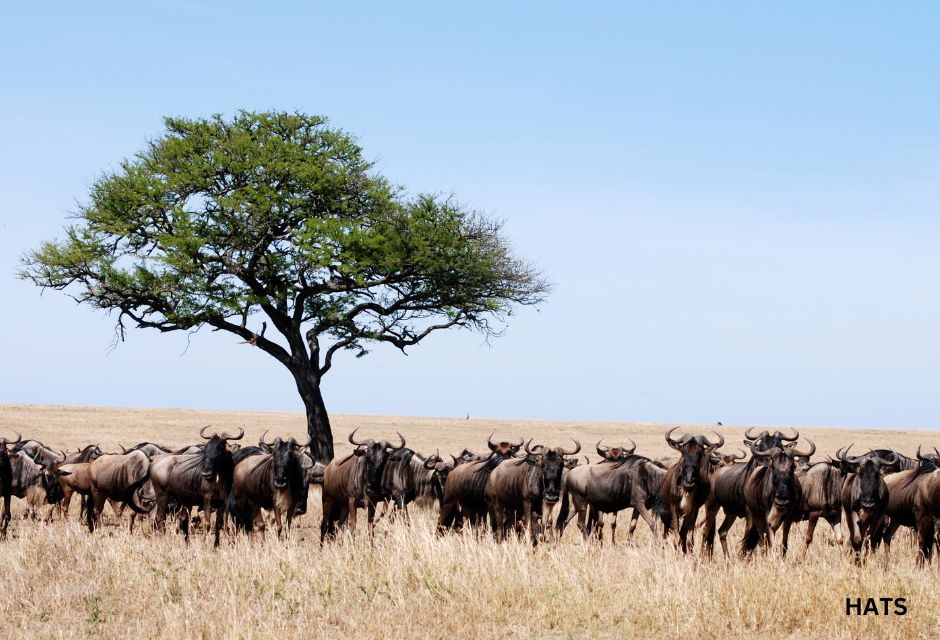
column 278, row 215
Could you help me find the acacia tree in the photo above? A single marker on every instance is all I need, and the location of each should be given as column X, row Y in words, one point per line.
column 276, row 217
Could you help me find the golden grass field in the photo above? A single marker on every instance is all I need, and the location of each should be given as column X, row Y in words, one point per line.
column 59, row 581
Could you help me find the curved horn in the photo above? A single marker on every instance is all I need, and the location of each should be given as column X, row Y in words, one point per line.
column 669, row 436
column 888, row 461
column 601, row 452
column 519, row 444
column 402, row 445
column 64, row 456
column 721, row 441
column 527, row 449
column 489, row 442
column 735, row 456
column 788, row 438
column 762, row 452
column 920, row 456
column 262, row 443
column 352, row 440
column 631, row 449
column 202, row 432
column 747, row 434
column 241, row 434
column 577, row 448
column 123, row 450
column 812, row 449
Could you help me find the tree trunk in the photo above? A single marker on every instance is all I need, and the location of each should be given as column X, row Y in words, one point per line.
column 318, row 422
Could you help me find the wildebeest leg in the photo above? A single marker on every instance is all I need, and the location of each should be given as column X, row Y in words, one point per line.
column 98, row 506
column 648, row 516
column 810, row 530
column 708, row 533
column 370, row 515
column 634, row 518
column 726, row 525
column 835, row 521
column 219, row 522
column 890, row 530
column 184, row 522
column 688, row 524
column 855, row 537
column 786, row 536
column 925, row 537
column 6, row 517
column 351, row 522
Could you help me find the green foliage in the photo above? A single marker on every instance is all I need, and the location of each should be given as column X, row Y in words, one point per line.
column 277, row 213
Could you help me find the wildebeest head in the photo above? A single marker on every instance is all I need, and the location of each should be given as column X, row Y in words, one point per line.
column 216, row 456
column 930, row 460
column 726, row 459
column 615, row 453
column 695, row 452
column 375, row 453
column 780, row 461
column 767, row 440
column 868, row 468
column 506, row 449
column 552, row 463
column 49, row 479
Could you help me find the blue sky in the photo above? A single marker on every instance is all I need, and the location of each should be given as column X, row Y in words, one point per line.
column 739, row 204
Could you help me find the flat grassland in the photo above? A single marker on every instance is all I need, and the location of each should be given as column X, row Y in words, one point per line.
column 59, row 581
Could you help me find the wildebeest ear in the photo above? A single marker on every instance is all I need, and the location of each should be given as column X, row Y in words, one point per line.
column 358, row 452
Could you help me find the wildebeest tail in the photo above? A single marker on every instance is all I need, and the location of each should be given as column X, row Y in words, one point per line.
column 654, row 502
column 750, row 539
column 242, row 522
column 563, row 512
column 131, row 494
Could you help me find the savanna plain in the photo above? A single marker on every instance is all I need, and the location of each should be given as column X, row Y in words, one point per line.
column 60, row 581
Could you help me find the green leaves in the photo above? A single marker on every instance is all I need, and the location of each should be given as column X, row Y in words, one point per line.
column 277, row 213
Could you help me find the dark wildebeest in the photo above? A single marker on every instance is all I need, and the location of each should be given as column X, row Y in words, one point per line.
column 686, row 485
column 465, row 491
column 37, row 482
column 272, row 479
column 6, row 480
column 119, row 478
column 864, row 495
column 149, row 448
column 903, row 462
column 86, row 454
column 515, row 490
column 405, row 476
column 727, row 486
column 353, row 482
column 720, row 459
column 902, row 490
column 611, row 485
column 926, row 510
column 39, row 452
column 821, row 485
column 196, row 479
column 773, row 496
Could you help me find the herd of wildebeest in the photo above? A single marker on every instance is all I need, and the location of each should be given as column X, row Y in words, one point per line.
column 514, row 489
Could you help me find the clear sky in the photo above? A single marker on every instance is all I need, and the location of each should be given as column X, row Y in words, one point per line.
column 739, row 203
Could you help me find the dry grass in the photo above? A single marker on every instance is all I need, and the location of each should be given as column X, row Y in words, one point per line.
column 58, row 581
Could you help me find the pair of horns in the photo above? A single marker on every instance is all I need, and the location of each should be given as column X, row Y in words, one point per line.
column 765, row 433
column 686, row 438
column 790, row 450
column 603, row 451
column 539, row 448
column 224, row 436
column 352, row 440
column 262, row 443
column 493, row 446
column 843, row 455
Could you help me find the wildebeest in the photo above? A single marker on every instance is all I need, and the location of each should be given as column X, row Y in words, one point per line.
column 773, row 496
column 611, row 485
column 149, row 448
column 864, row 494
column 6, row 480
column 352, row 482
column 39, row 452
column 272, row 479
column 926, row 509
column 85, row 454
column 120, row 478
column 37, row 482
column 720, row 459
column 686, row 485
column 902, row 490
column 465, row 491
column 196, row 479
column 821, row 486
column 515, row 490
